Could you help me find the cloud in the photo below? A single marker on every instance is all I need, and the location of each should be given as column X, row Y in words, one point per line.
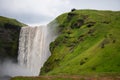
column 31, row 11
column 97, row 4
column 43, row 11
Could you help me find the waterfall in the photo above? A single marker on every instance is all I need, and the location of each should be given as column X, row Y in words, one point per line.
column 33, row 51
column 34, row 48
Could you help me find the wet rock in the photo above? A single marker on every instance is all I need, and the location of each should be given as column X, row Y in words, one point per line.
column 73, row 9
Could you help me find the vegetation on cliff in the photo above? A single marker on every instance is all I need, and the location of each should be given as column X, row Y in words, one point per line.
column 88, row 44
column 9, row 36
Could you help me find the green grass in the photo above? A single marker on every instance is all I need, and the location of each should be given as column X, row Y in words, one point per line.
column 81, row 50
column 5, row 20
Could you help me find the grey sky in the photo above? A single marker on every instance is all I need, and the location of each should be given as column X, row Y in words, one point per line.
column 43, row 11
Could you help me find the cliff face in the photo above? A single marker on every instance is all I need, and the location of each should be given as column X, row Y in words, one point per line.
column 88, row 43
column 9, row 36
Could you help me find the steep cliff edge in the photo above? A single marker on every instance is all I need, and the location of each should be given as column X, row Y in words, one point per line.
column 9, row 36
column 88, row 43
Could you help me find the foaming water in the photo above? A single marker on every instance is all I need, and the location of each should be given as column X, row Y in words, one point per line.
column 33, row 50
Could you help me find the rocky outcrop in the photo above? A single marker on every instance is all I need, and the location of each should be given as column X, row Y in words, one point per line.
column 9, row 37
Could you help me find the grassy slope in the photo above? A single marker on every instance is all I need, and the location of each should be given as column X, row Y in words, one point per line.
column 88, row 44
column 5, row 20
column 9, row 35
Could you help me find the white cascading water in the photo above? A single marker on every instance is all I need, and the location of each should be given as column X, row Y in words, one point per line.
column 34, row 48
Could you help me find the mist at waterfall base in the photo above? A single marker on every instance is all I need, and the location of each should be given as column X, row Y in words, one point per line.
column 33, row 51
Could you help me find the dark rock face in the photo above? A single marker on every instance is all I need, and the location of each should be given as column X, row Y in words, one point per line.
column 73, row 9
column 9, row 37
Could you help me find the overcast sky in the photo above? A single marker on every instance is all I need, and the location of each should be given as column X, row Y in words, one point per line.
column 36, row 12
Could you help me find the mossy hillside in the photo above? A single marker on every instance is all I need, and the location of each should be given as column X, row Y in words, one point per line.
column 9, row 36
column 88, row 43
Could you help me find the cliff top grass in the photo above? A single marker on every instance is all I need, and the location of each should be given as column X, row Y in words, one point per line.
column 5, row 20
